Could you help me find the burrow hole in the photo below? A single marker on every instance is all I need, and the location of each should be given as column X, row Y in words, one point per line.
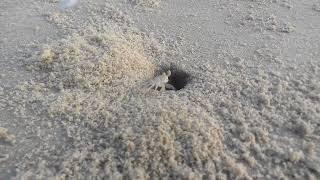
column 178, row 78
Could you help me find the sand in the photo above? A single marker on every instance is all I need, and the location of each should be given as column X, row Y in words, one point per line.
column 75, row 101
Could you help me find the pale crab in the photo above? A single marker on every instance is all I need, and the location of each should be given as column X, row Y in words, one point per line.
column 162, row 82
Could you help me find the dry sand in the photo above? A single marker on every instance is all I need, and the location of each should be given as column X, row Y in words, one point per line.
column 74, row 102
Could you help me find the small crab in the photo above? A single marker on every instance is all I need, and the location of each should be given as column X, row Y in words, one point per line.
column 161, row 82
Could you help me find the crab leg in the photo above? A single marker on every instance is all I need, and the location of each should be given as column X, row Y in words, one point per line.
column 170, row 86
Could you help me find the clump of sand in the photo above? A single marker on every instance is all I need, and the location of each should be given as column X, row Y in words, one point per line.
column 47, row 56
column 6, row 137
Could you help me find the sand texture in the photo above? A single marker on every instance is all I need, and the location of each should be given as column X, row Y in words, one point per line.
column 160, row 89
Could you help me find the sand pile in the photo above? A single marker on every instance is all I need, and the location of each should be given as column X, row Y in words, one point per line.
column 93, row 84
column 91, row 71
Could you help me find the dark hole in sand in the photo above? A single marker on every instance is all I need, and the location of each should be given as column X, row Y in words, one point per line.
column 178, row 78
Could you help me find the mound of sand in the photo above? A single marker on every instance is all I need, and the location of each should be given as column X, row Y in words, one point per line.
column 91, row 71
column 97, row 61
column 92, row 83
column 95, row 80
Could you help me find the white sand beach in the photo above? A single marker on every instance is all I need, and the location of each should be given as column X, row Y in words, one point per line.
column 160, row 89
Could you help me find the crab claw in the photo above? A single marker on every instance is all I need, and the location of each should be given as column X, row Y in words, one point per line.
column 168, row 73
column 162, row 88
